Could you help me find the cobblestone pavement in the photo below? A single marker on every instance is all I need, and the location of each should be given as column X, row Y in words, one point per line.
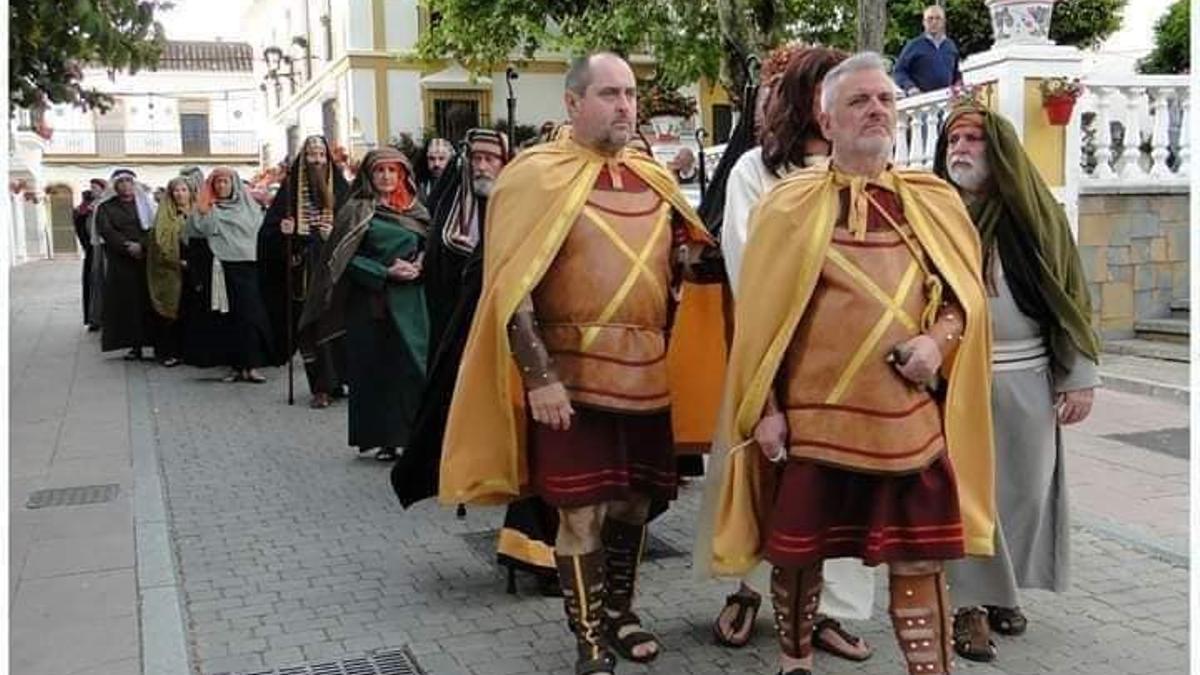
column 293, row 550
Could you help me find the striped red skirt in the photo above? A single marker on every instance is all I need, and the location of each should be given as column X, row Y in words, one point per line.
column 828, row 512
column 604, row 457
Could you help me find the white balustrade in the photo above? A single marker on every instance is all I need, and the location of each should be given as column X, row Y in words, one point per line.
column 918, row 121
column 1154, row 146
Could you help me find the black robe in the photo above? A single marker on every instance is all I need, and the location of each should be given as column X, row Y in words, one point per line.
column 415, row 473
column 306, row 255
column 126, row 310
column 207, row 336
column 443, row 268
column 80, row 218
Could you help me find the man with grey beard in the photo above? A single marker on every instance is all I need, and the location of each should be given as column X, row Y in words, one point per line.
column 857, row 398
column 1044, row 362
column 457, row 223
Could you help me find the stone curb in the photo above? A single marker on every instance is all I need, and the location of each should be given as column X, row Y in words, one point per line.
column 160, row 612
column 1142, row 387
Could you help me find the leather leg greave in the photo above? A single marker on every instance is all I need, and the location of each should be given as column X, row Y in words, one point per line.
column 623, row 545
column 921, row 615
column 582, row 580
column 796, row 593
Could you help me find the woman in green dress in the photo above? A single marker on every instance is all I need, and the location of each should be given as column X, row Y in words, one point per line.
column 370, row 287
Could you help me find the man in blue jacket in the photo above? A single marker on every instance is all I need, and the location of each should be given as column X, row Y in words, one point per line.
column 930, row 60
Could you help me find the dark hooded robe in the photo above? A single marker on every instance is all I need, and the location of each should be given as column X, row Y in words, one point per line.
column 454, row 279
column 384, row 321
column 127, row 318
column 298, row 200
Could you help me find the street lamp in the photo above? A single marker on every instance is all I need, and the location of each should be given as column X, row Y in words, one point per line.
column 274, row 57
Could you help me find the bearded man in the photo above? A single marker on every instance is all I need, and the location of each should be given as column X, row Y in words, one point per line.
column 123, row 222
column 458, row 224
column 564, row 389
column 1044, row 364
column 302, row 211
column 858, row 386
column 432, row 165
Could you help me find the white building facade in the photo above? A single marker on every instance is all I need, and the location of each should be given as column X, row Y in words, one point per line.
column 200, row 107
column 348, row 69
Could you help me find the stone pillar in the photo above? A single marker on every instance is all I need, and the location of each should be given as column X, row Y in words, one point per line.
column 31, row 240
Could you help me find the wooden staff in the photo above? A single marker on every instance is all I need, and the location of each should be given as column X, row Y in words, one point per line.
column 287, row 271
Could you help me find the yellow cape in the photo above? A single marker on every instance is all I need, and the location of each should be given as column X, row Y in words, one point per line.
column 792, row 227
column 536, row 200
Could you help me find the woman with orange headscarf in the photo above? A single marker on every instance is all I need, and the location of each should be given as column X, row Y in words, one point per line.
column 369, row 287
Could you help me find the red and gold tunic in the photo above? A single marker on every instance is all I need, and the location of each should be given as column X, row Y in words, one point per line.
column 868, row 476
column 846, row 405
column 603, row 307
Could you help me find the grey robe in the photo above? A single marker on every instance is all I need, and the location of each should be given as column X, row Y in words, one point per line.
column 1032, row 529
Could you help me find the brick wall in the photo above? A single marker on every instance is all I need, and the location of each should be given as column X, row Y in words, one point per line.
column 1135, row 254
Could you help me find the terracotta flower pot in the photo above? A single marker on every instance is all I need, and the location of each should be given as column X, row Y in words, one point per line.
column 1059, row 109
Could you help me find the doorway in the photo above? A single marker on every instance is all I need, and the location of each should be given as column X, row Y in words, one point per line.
column 62, row 220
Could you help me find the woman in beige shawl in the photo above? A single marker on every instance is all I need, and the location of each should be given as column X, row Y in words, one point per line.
column 164, row 268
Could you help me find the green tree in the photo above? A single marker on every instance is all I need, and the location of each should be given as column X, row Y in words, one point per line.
column 51, row 41
column 1082, row 23
column 1172, row 37
column 712, row 38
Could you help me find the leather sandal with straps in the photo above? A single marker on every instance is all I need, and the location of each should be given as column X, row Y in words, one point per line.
column 626, row 643
column 746, row 613
column 849, row 638
column 1008, row 621
column 972, row 639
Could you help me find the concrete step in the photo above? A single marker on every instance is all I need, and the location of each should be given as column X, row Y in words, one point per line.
column 1166, row 330
column 1167, row 380
column 1181, row 309
column 1150, row 349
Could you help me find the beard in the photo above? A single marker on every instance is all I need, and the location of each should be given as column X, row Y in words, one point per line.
column 879, row 146
column 482, row 186
column 318, row 184
column 967, row 173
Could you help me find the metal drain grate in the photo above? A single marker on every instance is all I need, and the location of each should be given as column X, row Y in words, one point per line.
column 384, row 662
column 73, row 496
column 483, row 545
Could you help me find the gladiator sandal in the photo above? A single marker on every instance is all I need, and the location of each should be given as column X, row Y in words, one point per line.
column 920, row 610
column 582, row 579
column 623, row 544
column 796, row 592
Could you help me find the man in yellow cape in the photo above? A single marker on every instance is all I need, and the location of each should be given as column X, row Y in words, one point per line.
column 858, row 388
column 566, row 387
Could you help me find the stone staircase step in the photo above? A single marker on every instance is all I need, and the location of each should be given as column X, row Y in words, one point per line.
column 1181, row 308
column 1151, row 349
column 1167, row 330
column 1145, row 376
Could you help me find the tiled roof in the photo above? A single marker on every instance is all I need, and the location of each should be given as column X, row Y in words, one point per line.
column 211, row 56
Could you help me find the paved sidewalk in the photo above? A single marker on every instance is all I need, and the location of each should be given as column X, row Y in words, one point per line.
column 72, row 583
column 292, row 551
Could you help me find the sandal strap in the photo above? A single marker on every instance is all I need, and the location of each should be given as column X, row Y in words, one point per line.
column 830, row 623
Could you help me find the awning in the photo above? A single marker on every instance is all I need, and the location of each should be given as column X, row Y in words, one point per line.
column 456, row 77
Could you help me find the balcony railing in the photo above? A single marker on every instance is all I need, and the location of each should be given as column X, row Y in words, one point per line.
column 124, row 142
column 1135, row 131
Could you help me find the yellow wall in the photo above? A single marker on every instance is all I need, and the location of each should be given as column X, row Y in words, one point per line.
column 1045, row 144
column 710, row 93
